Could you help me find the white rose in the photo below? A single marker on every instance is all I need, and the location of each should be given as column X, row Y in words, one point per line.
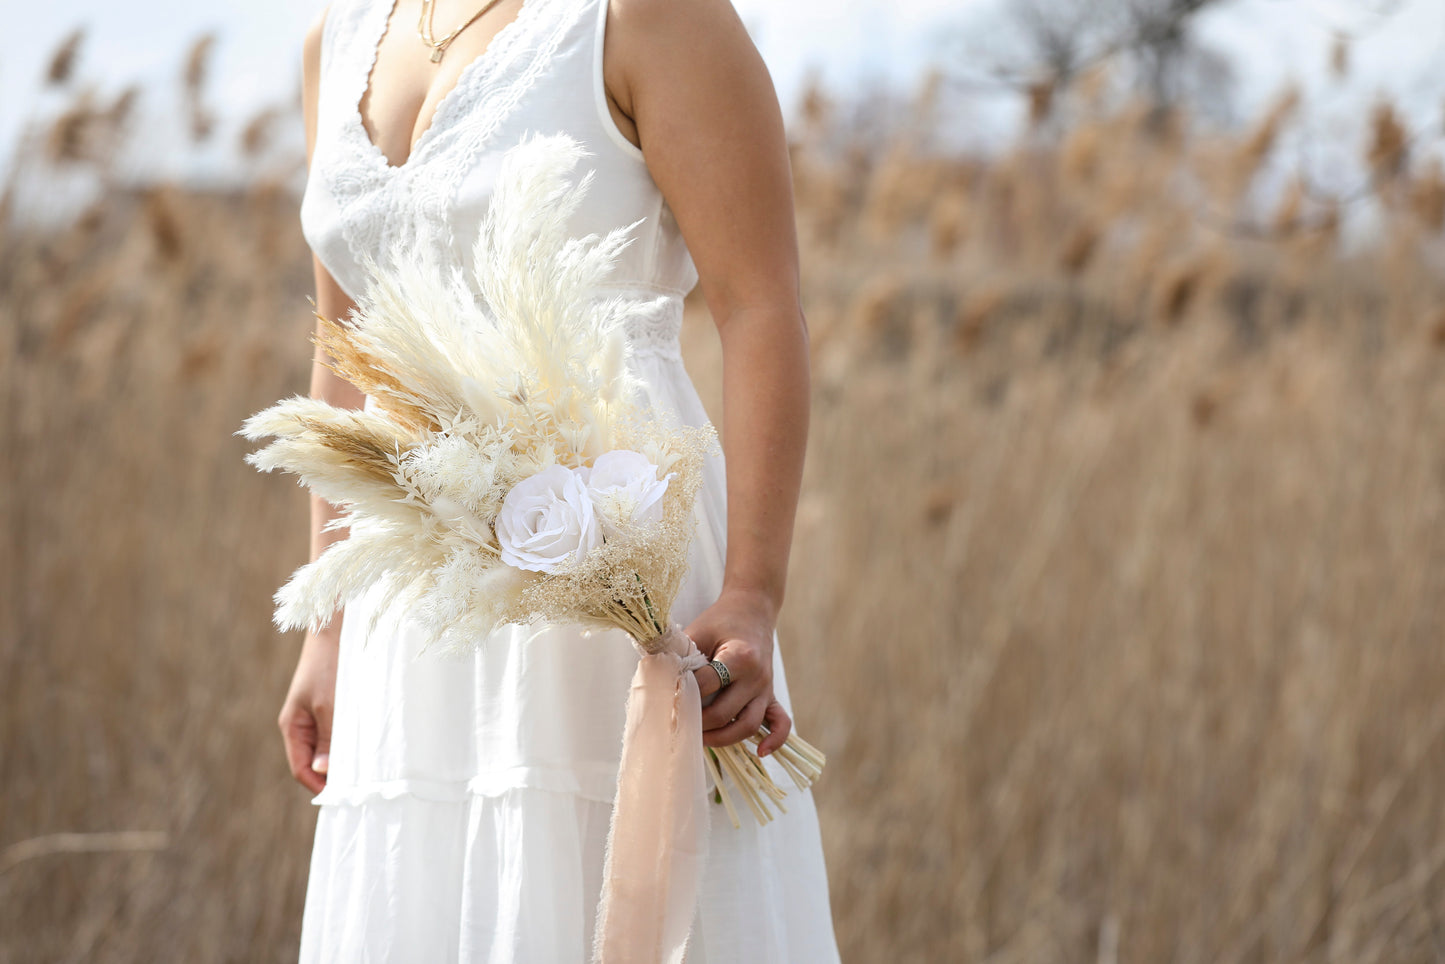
column 546, row 521
column 625, row 488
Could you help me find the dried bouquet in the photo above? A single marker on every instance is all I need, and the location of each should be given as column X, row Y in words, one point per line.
column 504, row 470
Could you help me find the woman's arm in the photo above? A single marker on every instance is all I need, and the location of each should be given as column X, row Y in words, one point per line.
column 305, row 719
column 707, row 118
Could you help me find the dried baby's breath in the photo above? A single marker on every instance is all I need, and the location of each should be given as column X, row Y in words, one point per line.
column 632, row 578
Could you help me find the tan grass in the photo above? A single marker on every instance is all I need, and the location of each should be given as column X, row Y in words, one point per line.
column 1122, row 637
column 351, row 361
column 63, row 59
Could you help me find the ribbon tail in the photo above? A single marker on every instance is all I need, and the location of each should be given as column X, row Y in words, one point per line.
column 658, row 839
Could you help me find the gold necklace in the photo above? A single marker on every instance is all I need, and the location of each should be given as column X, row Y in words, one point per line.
column 424, row 27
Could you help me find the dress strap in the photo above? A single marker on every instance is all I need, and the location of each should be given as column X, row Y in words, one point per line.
column 598, row 10
column 342, row 72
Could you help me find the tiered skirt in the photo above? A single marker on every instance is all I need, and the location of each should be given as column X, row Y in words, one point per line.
column 466, row 809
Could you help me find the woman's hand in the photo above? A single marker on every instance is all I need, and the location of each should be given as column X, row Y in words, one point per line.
column 305, row 719
column 738, row 629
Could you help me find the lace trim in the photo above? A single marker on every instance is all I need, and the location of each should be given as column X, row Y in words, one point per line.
column 380, row 203
column 499, row 106
column 485, row 62
column 653, row 330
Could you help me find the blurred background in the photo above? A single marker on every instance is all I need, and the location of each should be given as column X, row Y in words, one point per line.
column 1118, row 583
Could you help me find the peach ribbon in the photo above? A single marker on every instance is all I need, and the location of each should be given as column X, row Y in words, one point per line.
column 657, row 841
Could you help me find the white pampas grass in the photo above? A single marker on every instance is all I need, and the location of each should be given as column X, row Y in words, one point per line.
column 479, row 380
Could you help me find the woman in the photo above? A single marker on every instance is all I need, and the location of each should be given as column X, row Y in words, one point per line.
column 465, row 805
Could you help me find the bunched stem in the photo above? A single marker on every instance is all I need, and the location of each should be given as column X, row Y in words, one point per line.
column 800, row 760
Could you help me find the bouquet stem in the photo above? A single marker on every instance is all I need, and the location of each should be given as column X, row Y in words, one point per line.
column 800, row 760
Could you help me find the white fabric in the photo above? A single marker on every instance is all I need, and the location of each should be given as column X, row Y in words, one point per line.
column 468, row 800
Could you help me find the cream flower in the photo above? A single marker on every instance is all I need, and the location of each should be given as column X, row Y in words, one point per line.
column 625, row 488
column 547, row 521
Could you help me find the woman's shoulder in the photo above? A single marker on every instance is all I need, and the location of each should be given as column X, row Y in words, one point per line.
column 651, row 42
column 335, row 16
column 311, row 45
column 683, row 19
column 311, row 76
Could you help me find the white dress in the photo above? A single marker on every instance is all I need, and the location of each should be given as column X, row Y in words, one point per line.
column 467, row 804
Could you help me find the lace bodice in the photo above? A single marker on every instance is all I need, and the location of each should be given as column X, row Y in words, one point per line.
column 541, row 73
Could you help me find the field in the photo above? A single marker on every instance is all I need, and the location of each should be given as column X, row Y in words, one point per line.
column 1117, row 591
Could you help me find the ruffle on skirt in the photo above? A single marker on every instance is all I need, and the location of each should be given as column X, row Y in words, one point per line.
column 513, row 878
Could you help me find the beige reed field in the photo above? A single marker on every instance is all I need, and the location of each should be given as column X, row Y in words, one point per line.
column 1117, row 591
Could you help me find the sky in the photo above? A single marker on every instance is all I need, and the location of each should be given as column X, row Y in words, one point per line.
column 851, row 44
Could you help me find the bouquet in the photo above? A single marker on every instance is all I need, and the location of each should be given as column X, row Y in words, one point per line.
column 503, row 470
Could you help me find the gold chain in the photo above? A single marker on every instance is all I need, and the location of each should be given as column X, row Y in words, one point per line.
column 424, row 27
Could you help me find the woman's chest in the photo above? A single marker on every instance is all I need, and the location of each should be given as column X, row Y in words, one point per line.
column 542, row 74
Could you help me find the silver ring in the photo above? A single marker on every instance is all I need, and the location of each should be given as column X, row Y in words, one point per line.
column 723, row 676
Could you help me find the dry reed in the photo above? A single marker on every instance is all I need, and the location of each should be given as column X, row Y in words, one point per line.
column 1116, row 594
